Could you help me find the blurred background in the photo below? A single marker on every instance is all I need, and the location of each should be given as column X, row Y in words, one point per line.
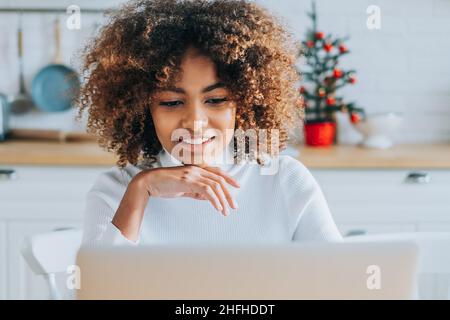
column 384, row 168
column 402, row 67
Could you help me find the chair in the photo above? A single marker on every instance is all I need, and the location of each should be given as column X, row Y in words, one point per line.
column 434, row 257
column 50, row 253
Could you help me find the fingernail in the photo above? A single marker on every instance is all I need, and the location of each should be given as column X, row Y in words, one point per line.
column 220, row 208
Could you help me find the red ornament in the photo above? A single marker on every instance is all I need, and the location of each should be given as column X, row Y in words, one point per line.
column 337, row 73
column 331, row 101
column 302, row 89
column 354, row 118
column 322, row 92
column 320, row 35
column 352, row 80
column 342, row 48
column 327, row 47
column 310, row 44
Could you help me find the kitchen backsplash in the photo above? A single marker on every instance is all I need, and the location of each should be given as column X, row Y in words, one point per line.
column 404, row 66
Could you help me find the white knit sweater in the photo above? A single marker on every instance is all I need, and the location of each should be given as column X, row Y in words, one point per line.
column 286, row 205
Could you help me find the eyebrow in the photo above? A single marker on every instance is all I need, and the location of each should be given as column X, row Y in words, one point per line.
column 204, row 90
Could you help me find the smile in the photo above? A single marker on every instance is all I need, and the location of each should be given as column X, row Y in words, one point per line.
column 196, row 142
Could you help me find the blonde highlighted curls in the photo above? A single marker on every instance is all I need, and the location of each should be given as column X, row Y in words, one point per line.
column 140, row 50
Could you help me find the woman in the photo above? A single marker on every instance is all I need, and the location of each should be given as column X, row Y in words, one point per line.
column 196, row 98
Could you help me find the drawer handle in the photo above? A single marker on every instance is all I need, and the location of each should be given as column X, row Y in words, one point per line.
column 8, row 174
column 418, row 177
column 355, row 232
column 63, row 229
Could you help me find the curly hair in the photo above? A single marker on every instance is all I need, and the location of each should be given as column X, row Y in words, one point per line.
column 140, row 49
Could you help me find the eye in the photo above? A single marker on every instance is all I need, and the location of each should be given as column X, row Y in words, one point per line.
column 216, row 100
column 170, row 103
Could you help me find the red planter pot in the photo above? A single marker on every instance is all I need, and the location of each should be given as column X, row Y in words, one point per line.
column 320, row 134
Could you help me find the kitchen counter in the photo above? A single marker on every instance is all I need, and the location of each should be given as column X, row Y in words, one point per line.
column 402, row 156
column 415, row 156
column 24, row 152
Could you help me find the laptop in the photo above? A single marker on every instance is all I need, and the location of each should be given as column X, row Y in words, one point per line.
column 290, row 271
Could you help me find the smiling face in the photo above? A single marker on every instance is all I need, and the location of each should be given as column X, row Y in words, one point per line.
column 195, row 119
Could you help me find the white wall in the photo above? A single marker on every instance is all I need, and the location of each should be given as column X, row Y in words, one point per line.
column 404, row 66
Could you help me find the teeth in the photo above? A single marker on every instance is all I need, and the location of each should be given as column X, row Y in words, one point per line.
column 195, row 141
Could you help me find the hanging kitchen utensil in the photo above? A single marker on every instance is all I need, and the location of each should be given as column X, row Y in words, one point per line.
column 55, row 87
column 4, row 117
column 20, row 102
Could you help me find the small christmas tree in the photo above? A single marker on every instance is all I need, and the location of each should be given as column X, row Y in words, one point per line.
column 322, row 53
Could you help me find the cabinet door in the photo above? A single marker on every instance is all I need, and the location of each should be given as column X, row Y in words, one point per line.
column 46, row 193
column 378, row 196
column 23, row 283
column 3, row 262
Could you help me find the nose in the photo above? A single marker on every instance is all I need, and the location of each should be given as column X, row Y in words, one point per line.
column 195, row 119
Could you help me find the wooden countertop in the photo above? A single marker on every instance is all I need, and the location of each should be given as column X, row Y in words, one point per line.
column 403, row 156
column 415, row 156
column 24, row 152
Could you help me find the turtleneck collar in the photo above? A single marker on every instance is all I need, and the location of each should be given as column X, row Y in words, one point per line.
column 225, row 160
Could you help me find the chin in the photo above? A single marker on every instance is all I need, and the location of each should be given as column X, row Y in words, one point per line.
column 203, row 158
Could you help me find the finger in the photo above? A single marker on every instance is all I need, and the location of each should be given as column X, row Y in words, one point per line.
column 221, row 180
column 217, row 188
column 223, row 174
column 207, row 191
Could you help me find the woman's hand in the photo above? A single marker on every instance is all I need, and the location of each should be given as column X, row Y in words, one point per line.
column 202, row 183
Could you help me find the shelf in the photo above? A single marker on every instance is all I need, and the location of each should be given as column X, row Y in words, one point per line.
column 30, row 10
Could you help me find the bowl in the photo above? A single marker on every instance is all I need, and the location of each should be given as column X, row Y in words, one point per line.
column 378, row 129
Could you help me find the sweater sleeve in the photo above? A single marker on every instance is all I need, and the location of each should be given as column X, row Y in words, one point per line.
column 98, row 228
column 316, row 222
column 307, row 207
column 102, row 202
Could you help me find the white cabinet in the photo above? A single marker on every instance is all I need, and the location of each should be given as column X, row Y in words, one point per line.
column 40, row 199
column 369, row 201
column 374, row 201
column 3, row 259
column 46, row 193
